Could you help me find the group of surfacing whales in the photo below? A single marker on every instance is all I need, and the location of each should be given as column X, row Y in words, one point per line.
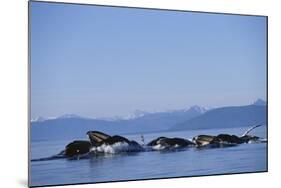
column 100, row 143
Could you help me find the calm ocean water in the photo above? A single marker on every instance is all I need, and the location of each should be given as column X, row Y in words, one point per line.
column 146, row 165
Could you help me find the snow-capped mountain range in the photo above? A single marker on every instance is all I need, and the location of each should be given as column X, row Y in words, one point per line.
column 136, row 114
column 195, row 117
column 65, row 116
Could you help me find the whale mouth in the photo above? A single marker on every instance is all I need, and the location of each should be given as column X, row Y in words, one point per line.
column 97, row 137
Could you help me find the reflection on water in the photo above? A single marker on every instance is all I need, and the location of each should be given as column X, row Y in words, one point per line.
column 145, row 165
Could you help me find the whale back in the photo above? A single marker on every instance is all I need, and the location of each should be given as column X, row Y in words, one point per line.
column 171, row 142
column 114, row 139
column 228, row 138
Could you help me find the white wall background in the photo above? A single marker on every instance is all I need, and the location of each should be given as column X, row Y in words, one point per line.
column 13, row 91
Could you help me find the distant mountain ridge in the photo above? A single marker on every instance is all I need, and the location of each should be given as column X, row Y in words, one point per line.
column 74, row 126
column 227, row 117
column 135, row 115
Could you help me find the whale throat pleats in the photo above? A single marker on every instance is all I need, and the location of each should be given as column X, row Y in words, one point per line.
column 97, row 137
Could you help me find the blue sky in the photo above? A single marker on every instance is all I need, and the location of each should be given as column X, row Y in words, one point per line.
column 102, row 61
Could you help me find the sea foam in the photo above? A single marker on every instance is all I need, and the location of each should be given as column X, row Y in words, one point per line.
column 114, row 148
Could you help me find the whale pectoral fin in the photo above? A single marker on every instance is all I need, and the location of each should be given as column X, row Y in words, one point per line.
column 250, row 129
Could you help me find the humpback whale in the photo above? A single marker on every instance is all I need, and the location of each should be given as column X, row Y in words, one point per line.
column 169, row 143
column 103, row 143
column 99, row 143
column 226, row 139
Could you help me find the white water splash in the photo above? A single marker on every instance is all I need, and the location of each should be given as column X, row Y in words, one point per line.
column 114, row 148
column 163, row 147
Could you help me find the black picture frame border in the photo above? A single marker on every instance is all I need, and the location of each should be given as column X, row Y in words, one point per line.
column 144, row 8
